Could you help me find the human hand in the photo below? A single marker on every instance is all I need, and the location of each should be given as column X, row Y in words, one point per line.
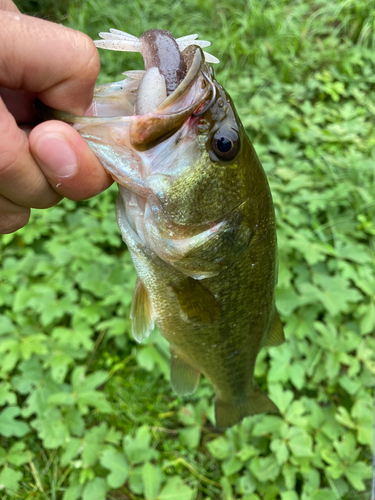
column 59, row 66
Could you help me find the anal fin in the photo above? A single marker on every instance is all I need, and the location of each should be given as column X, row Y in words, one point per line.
column 276, row 334
column 184, row 378
column 141, row 313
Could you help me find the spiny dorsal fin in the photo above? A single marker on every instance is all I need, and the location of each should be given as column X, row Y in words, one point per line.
column 196, row 302
column 276, row 335
column 184, row 378
column 141, row 313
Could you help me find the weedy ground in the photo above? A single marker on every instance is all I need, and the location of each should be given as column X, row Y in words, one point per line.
column 88, row 414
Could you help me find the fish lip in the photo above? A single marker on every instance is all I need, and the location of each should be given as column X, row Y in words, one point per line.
column 152, row 128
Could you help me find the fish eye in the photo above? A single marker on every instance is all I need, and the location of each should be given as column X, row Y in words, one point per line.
column 225, row 144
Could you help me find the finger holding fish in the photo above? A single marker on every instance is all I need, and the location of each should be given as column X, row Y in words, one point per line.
column 60, row 66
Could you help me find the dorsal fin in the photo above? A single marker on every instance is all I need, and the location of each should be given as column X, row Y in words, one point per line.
column 276, row 335
column 141, row 313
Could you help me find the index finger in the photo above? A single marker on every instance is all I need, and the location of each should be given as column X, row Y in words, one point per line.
column 60, row 64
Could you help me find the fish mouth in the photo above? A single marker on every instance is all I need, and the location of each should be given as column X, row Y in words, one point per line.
column 160, row 123
column 149, row 129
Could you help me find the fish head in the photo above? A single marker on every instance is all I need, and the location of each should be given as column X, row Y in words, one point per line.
column 190, row 141
column 207, row 167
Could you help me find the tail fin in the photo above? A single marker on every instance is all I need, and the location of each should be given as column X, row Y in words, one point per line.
column 228, row 413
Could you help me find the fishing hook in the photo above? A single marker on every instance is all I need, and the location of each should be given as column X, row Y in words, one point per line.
column 213, row 96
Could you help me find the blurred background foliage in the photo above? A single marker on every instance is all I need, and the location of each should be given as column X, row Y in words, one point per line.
column 88, row 414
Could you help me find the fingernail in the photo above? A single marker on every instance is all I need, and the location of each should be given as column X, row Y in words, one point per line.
column 56, row 156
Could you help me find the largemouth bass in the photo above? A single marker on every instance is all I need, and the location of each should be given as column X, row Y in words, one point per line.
column 196, row 213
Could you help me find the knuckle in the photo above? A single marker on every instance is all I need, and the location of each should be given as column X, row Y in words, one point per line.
column 93, row 62
column 50, row 199
column 11, row 222
column 13, row 145
column 87, row 58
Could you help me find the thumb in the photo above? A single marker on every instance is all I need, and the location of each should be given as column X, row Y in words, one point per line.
column 67, row 162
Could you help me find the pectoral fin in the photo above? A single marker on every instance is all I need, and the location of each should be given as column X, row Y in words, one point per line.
column 276, row 335
column 141, row 313
column 184, row 378
column 197, row 302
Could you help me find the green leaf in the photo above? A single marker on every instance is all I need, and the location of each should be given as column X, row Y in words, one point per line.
column 220, row 447
column 6, row 395
column 9, row 426
column 73, row 492
column 31, row 374
column 343, row 417
column 247, row 451
column 349, row 385
column 59, row 363
column 138, row 449
column 346, row 448
column 136, row 480
column 280, row 397
column 17, row 454
column 74, row 421
column 286, row 300
column 150, row 358
column 247, row 483
column 3, row 455
column 117, row 464
column 61, row 399
column 269, row 424
column 289, row 495
column 9, row 480
column 299, row 442
column 190, row 437
column 336, row 293
column 95, row 490
column 231, row 465
column 281, row 451
column 94, row 399
column 289, row 473
column 151, row 477
column 367, row 324
column 51, row 428
column 324, row 494
column 94, row 444
column 113, row 436
column 297, row 375
column 6, row 325
column 176, row 489
column 265, row 469
column 71, row 451
column 357, row 473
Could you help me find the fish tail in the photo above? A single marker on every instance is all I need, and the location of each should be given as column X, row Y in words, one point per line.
column 228, row 413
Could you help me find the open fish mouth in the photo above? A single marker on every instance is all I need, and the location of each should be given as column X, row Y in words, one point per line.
column 146, row 103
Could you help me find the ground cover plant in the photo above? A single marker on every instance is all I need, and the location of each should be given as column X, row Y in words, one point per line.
column 88, row 414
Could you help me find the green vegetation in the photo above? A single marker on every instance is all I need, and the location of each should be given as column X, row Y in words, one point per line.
column 86, row 413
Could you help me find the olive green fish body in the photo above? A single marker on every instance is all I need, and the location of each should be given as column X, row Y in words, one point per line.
column 196, row 213
column 212, row 299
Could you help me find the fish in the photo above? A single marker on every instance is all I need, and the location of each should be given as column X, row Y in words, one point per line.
column 196, row 213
